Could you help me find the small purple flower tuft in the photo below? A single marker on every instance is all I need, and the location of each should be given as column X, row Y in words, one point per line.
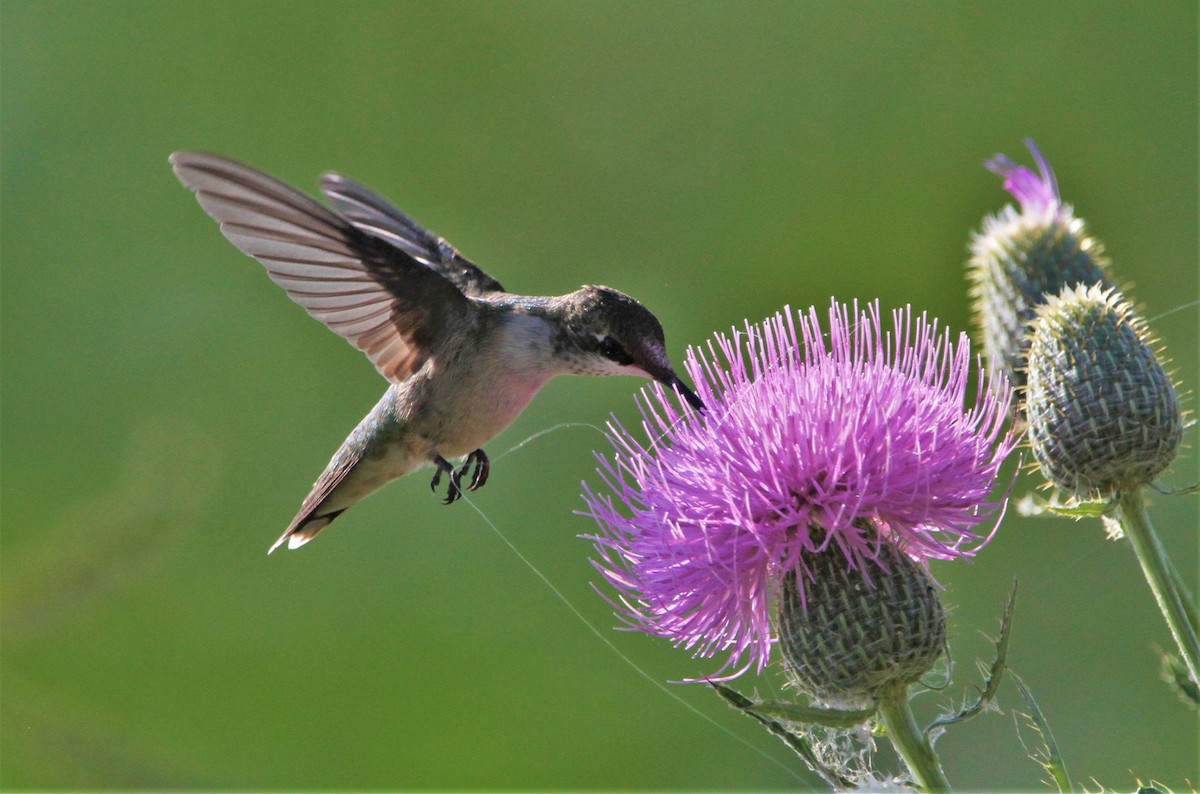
column 803, row 447
column 1038, row 193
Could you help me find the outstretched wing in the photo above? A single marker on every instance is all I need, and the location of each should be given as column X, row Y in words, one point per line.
column 374, row 215
column 373, row 293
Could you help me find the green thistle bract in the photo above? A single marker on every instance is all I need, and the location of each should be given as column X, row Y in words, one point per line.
column 854, row 632
column 1103, row 415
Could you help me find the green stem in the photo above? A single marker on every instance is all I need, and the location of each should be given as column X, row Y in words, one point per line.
column 1189, row 604
column 1135, row 523
column 909, row 742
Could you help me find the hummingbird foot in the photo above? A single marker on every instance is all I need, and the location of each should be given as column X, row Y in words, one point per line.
column 482, row 467
column 454, row 490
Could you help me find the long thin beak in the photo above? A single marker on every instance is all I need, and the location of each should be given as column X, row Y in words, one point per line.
column 684, row 390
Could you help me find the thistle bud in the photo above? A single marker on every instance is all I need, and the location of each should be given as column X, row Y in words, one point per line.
column 1103, row 415
column 852, row 636
column 1021, row 258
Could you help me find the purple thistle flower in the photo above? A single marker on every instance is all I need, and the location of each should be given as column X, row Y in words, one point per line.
column 803, row 447
column 1037, row 193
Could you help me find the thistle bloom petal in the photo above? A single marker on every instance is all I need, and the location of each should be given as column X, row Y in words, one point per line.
column 1038, row 192
column 803, row 447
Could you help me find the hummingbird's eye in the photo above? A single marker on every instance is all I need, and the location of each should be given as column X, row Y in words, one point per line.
column 611, row 349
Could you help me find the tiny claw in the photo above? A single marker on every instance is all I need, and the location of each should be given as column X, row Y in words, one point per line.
column 454, row 490
column 482, row 468
column 480, row 473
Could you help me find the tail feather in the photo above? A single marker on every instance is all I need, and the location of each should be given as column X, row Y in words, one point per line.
column 352, row 474
column 304, row 530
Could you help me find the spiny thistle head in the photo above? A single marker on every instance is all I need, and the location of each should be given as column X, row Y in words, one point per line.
column 854, row 632
column 837, row 442
column 1103, row 415
column 1021, row 258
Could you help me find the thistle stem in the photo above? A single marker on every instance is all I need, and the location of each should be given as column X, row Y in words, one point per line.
column 1189, row 604
column 909, row 742
column 1135, row 523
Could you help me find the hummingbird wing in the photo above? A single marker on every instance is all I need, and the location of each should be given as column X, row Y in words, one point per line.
column 374, row 215
column 379, row 297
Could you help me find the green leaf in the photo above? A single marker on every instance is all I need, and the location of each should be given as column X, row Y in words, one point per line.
column 1033, row 506
column 1175, row 673
column 991, row 685
column 1047, row 755
column 798, row 743
column 1187, row 489
column 830, row 718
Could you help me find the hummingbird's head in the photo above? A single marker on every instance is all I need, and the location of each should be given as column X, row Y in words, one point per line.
column 610, row 333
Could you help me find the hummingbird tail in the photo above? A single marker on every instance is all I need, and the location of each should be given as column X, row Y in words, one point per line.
column 302, row 532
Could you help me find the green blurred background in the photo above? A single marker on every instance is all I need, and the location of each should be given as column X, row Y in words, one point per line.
column 165, row 407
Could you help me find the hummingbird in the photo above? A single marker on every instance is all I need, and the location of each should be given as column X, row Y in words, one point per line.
column 462, row 355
